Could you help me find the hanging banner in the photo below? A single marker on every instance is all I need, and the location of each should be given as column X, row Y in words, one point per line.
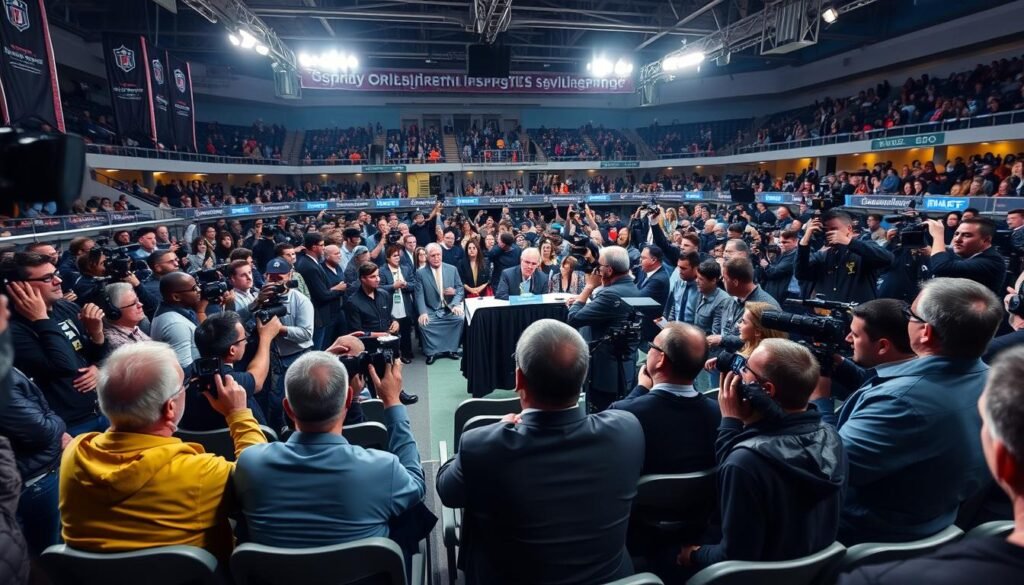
column 130, row 92
column 182, row 105
column 163, row 118
column 455, row 82
column 28, row 72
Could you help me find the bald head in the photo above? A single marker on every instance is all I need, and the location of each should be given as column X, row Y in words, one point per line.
column 175, row 282
column 684, row 348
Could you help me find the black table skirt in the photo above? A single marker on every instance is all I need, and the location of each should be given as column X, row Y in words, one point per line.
column 488, row 344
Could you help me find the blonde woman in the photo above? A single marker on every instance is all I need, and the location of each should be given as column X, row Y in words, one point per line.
column 669, row 221
column 751, row 331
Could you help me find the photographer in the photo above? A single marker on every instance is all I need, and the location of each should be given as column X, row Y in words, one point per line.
column 972, row 255
column 56, row 343
column 912, row 435
column 846, row 269
column 94, row 276
column 781, row 470
column 294, row 339
column 603, row 314
column 222, row 341
column 181, row 311
column 777, row 277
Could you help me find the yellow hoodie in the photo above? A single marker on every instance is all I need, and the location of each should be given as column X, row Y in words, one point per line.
column 128, row 491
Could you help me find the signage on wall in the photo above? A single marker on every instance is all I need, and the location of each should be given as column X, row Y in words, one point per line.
column 933, row 139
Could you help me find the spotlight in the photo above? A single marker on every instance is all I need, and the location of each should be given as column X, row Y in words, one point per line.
column 601, row 67
column 306, row 60
column 829, row 14
column 262, row 49
column 234, row 40
column 623, row 68
column 677, row 62
column 352, row 62
column 248, row 41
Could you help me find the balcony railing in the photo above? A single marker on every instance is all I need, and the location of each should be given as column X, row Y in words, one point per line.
column 135, row 151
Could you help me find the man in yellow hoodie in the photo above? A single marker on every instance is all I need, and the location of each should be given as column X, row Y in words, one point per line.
column 137, row 486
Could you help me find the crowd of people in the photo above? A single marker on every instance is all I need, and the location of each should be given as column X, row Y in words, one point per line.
column 488, row 144
column 613, row 144
column 259, row 141
column 414, row 144
column 110, row 359
column 564, row 143
column 339, row 145
column 691, row 138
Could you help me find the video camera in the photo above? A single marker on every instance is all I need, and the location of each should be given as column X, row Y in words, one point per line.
column 650, row 206
column 826, row 334
column 274, row 306
column 385, row 353
column 911, row 230
column 118, row 263
column 750, row 392
column 212, row 283
column 38, row 167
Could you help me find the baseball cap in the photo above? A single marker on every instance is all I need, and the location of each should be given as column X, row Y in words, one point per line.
column 278, row 266
column 359, row 250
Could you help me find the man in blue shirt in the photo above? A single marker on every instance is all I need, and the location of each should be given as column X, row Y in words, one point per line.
column 316, row 489
column 912, row 432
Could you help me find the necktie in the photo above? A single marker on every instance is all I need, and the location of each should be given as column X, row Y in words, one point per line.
column 437, row 280
column 684, row 302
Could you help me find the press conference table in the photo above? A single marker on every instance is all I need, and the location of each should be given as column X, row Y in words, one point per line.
column 489, row 339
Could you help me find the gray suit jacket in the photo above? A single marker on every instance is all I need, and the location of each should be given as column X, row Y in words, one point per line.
column 546, row 500
column 709, row 311
column 605, row 309
column 511, row 278
column 428, row 298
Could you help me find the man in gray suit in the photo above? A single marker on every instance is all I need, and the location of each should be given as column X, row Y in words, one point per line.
column 546, row 493
column 439, row 305
column 523, row 278
column 614, row 371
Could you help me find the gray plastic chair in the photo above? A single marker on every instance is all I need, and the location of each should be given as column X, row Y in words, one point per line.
column 340, row 564
column 368, row 435
column 481, row 407
column 164, row 565
column 997, row 528
column 373, row 410
column 676, row 503
column 219, row 441
column 803, row 571
column 638, row 579
column 873, row 553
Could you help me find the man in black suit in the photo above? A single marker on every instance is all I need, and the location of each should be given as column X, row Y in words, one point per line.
column 777, row 276
column 546, row 493
column 503, row 255
column 326, row 299
column 614, row 368
column 523, row 278
column 680, row 425
column 971, row 254
column 651, row 281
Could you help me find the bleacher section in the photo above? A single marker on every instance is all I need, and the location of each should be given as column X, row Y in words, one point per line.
column 563, row 144
column 703, row 138
column 414, row 145
column 259, row 141
column 612, row 144
column 338, row 145
column 489, row 145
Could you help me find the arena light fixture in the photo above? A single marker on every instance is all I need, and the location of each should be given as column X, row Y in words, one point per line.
column 262, row 49
column 684, row 61
column 248, row 41
column 234, row 40
column 601, row 66
column 306, row 60
column 829, row 14
column 623, row 68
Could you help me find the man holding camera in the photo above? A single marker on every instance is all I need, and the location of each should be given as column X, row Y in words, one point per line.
column 777, row 277
column 181, row 311
column 846, row 269
column 971, row 255
column 56, row 343
column 911, row 432
column 614, row 362
column 327, row 300
column 781, row 470
column 295, row 337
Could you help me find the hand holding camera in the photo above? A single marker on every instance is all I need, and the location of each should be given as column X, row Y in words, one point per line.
column 389, row 386
column 229, row 398
column 730, row 398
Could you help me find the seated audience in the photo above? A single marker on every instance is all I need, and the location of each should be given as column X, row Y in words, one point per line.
column 551, row 485
column 439, row 305
column 137, row 486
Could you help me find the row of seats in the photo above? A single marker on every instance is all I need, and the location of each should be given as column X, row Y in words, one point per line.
column 351, row 144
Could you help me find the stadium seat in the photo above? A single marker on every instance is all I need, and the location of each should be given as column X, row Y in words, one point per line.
column 368, row 435
column 351, row 562
column 373, row 409
column 219, row 441
column 164, row 565
column 638, row 579
column 997, row 528
column 482, row 407
column 803, row 571
column 451, row 525
column 677, row 504
column 873, row 553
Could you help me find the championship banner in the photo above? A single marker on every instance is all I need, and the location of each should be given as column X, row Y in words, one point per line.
column 163, row 113
column 28, row 72
column 179, row 77
column 454, row 82
column 130, row 93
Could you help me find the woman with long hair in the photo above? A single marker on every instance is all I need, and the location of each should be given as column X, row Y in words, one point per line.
column 548, row 260
column 421, row 257
column 751, row 331
column 201, row 256
column 569, row 279
column 225, row 245
column 475, row 271
column 669, row 220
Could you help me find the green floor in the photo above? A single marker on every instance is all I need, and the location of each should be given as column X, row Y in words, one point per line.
column 447, row 389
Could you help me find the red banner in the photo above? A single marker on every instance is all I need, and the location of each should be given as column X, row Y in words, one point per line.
column 453, row 82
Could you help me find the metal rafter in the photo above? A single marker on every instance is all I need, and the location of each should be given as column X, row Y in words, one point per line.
column 491, row 18
column 234, row 14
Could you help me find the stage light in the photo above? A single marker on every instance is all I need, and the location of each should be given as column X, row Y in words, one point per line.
column 306, row 60
column 262, row 49
column 248, row 41
column 352, row 62
column 829, row 14
column 601, row 66
column 677, row 62
column 623, row 68
column 234, row 40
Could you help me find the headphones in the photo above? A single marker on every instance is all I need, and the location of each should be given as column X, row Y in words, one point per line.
column 1015, row 306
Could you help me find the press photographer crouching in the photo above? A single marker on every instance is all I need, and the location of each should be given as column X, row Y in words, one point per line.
column 222, row 342
column 772, row 445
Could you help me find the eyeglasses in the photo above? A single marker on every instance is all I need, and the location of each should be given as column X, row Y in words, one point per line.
column 746, row 369
column 47, row 279
column 663, row 352
column 910, row 315
column 137, row 303
column 195, row 288
column 242, row 340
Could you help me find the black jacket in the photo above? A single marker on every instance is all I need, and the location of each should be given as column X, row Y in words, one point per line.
column 369, row 315
column 34, row 429
column 14, row 564
column 781, row 489
column 987, row 268
column 51, row 351
column 776, row 277
column 844, row 273
column 500, row 260
column 973, row 560
column 326, row 302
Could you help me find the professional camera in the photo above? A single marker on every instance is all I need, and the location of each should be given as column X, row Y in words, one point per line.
column 274, row 306
column 387, row 349
column 394, row 236
column 212, row 285
column 750, row 392
column 650, row 206
column 206, row 369
column 825, row 334
column 911, row 231
column 579, row 244
column 118, row 263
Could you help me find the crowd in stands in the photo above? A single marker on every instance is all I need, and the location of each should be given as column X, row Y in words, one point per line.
column 563, row 143
column 259, row 141
column 339, row 145
column 413, row 144
column 612, row 144
column 692, row 138
column 490, row 144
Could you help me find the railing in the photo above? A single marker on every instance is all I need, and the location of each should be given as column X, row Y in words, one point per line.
column 982, row 121
column 687, row 154
column 134, row 151
column 320, row 162
column 414, row 160
column 55, row 223
column 506, row 156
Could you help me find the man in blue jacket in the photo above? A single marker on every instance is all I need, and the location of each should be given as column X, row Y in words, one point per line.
column 912, row 432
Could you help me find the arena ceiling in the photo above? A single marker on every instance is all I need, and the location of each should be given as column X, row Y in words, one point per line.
column 544, row 35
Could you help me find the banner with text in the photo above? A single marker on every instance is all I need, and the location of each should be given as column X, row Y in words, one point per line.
column 130, row 93
column 163, row 112
column 28, row 72
column 455, row 82
column 183, row 106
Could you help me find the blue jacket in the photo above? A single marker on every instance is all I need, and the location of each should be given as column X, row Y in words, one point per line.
column 912, row 435
column 316, row 489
